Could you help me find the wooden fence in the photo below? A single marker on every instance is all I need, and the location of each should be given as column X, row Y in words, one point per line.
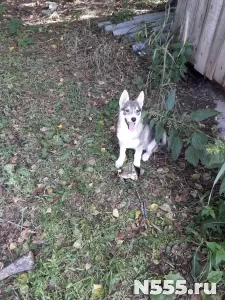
column 205, row 28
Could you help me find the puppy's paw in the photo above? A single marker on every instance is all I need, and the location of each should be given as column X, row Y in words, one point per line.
column 145, row 156
column 119, row 163
column 137, row 163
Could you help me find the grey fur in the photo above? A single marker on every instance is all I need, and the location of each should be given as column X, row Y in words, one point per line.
column 134, row 134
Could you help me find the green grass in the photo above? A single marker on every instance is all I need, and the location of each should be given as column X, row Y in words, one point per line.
column 49, row 132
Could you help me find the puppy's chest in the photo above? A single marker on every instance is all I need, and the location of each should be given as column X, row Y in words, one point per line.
column 131, row 141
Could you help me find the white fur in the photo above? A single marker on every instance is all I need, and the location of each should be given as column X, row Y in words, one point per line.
column 139, row 139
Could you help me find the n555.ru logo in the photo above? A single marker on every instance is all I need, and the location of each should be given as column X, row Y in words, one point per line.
column 169, row 287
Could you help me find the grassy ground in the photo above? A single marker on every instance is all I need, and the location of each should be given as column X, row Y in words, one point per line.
column 58, row 181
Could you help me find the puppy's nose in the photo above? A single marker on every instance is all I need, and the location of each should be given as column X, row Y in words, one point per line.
column 133, row 119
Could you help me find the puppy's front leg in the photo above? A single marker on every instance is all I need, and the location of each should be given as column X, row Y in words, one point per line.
column 137, row 156
column 122, row 156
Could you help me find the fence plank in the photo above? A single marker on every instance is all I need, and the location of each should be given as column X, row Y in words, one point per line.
column 219, row 74
column 199, row 21
column 208, row 31
column 191, row 8
column 180, row 16
column 217, row 45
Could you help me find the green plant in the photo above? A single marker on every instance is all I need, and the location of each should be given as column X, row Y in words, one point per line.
column 2, row 10
column 208, row 230
column 15, row 25
column 25, row 41
column 169, row 62
column 122, row 14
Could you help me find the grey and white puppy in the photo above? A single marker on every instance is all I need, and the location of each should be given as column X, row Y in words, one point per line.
column 132, row 133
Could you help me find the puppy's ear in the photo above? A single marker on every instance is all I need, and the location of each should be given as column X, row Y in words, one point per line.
column 140, row 99
column 123, row 98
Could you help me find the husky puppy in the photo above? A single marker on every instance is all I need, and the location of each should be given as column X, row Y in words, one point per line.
column 132, row 133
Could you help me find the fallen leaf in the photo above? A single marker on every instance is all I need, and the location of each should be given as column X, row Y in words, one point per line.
column 198, row 186
column 137, row 214
column 59, row 126
column 153, row 207
column 44, row 129
column 26, row 223
column 50, row 191
column 195, row 176
column 101, row 122
column 49, row 210
column 61, row 171
column 39, row 189
column 25, row 247
column 115, row 213
column 155, row 262
column 43, row 236
column 120, row 236
column 94, row 211
column 165, row 207
column 77, row 245
column 91, row 161
column 12, row 246
column 54, row 46
column 97, row 290
column 148, row 223
column 11, row 48
column 169, row 216
column 180, row 198
column 87, row 266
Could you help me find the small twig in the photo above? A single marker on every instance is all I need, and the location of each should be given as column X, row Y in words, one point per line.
column 156, row 227
column 143, row 209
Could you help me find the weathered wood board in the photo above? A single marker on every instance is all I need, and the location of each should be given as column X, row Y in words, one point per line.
column 203, row 24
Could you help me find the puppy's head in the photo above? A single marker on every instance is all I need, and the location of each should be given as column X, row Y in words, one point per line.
column 130, row 110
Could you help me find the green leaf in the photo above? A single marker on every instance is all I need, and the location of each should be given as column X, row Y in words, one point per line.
column 215, row 276
column 213, row 224
column 176, row 54
column 174, row 277
column 14, row 25
column 192, row 155
column 159, row 130
column 202, row 114
column 152, row 124
column 171, row 100
column 213, row 246
column 220, row 256
column 23, row 171
column 9, row 168
column 220, row 173
column 188, row 51
column 171, row 137
column 196, row 266
column 222, row 186
column 176, row 147
column 176, row 46
column 208, row 267
column 199, row 139
column 222, row 209
column 208, row 211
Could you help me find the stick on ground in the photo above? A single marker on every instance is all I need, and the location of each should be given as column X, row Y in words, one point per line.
column 22, row 264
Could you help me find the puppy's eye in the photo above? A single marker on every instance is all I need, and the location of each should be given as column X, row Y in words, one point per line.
column 138, row 111
column 127, row 110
